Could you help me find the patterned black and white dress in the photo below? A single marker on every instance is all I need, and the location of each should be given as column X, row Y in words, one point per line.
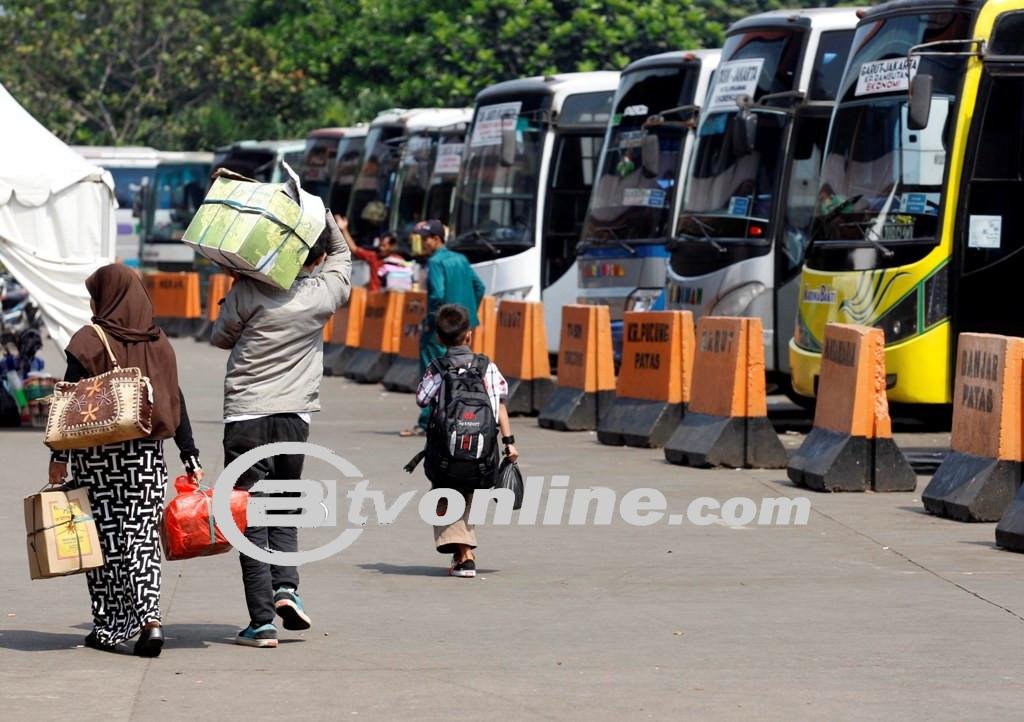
column 126, row 484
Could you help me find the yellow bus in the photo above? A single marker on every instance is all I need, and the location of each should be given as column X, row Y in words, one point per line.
column 919, row 225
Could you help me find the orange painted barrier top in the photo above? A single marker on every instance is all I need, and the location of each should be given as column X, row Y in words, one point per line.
column 485, row 334
column 728, row 368
column 382, row 321
column 414, row 310
column 347, row 324
column 657, row 356
column 174, row 295
column 851, row 389
column 217, row 288
column 521, row 345
column 987, row 403
column 585, row 359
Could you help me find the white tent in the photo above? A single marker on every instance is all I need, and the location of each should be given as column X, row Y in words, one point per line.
column 57, row 220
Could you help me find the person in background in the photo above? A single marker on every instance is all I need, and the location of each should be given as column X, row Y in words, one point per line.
column 271, row 387
column 126, row 481
column 450, row 280
column 388, row 268
column 452, row 329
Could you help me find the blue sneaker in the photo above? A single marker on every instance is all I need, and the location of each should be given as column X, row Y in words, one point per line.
column 264, row 635
column 288, row 604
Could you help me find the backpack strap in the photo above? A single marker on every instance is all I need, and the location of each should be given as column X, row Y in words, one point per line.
column 481, row 363
column 415, row 461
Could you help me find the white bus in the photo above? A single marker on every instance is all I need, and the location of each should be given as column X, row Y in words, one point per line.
column 527, row 172
column 168, row 202
column 753, row 178
column 131, row 167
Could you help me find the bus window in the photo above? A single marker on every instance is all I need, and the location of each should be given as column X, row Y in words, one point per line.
column 833, row 49
column 802, row 190
column 575, row 162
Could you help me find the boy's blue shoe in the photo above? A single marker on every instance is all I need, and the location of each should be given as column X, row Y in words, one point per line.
column 264, row 635
column 288, row 604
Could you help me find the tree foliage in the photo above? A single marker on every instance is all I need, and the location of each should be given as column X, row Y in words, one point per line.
column 195, row 74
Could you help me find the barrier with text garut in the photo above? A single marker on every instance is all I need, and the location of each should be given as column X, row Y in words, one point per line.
column 404, row 374
column 850, row 447
column 586, row 370
column 977, row 480
column 654, row 379
column 346, row 328
column 378, row 342
column 217, row 287
column 176, row 305
column 521, row 352
column 726, row 423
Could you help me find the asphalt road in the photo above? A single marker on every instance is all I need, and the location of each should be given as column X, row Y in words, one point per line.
column 872, row 610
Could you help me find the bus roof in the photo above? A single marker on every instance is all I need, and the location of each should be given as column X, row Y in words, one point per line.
column 817, row 18
column 416, row 118
column 337, row 132
column 128, row 156
column 674, row 57
column 897, row 6
column 558, row 86
column 275, row 145
column 173, row 157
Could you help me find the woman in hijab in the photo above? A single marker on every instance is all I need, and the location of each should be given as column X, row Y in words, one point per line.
column 126, row 481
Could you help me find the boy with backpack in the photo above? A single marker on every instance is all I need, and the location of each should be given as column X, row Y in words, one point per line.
column 466, row 395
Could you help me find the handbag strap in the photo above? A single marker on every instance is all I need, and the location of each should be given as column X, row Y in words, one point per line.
column 106, row 345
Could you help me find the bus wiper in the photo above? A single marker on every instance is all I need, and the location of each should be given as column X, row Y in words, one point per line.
column 588, row 242
column 477, row 237
column 706, row 229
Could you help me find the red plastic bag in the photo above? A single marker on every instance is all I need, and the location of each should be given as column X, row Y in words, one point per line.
column 189, row 530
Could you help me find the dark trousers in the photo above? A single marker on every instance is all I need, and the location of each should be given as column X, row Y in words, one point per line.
column 261, row 579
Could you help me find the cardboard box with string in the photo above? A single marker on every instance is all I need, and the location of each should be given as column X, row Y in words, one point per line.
column 260, row 230
column 61, row 533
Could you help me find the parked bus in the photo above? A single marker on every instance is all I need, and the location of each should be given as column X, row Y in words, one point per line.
column 427, row 170
column 920, row 224
column 260, row 159
column 753, row 178
column 525, row 184
column 347, row 161
column 130, row 167
column 319, row 160
column 168, row 202
column 369, row 206
column 635, row 202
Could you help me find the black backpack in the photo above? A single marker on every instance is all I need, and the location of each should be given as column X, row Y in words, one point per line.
column 461, row 450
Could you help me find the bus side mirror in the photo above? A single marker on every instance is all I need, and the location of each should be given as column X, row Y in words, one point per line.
column 920, row 104
column 650, row 155
column 508, row 144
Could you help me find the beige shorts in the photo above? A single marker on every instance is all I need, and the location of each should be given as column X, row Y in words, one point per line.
column 458, row 532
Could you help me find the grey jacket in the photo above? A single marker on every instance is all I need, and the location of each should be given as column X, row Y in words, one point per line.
column 276, row 337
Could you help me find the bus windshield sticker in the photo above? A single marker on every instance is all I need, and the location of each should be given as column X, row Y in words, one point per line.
column 985, row 232
column 732, row 80
column 649, row 197
column 739, row 206
column 449, row 156
column 886, row 76
column 490, row 119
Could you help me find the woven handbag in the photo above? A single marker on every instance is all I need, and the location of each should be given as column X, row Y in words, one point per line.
column 106, row 409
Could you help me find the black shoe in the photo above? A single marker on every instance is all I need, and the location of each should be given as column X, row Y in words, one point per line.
column 93, row 642
column 465, row 569
column 150, row 643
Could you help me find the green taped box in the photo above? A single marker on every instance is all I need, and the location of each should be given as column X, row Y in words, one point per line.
column 256, row 229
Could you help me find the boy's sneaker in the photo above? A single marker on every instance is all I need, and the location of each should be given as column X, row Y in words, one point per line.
column 465, row 569
column 264, row 635
column 288, row 604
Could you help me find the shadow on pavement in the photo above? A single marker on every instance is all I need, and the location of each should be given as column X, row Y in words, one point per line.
column 30, row 640
column 414, row 570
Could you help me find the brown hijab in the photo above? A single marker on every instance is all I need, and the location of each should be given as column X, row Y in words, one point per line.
column 123, row 309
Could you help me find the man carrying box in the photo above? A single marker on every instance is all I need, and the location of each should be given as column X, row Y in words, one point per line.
column 271, row 387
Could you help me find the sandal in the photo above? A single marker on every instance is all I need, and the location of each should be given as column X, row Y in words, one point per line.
column 414, row 431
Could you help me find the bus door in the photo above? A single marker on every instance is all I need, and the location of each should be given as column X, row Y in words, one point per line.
column 573, row 166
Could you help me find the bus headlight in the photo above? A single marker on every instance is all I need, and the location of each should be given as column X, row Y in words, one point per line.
column 737, row 300
column 900, row 321
column 644, row 299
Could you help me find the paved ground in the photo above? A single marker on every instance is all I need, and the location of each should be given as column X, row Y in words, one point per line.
column 873, row 610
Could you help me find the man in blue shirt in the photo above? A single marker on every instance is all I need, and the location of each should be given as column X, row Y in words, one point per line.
column 450, row 279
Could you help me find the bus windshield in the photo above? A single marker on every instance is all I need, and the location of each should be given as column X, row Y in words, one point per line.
column 495, row 202
column 881, row 182
column 350, row 152
column 442, row 181
column 176, row 193
column 631, row 202
column 317, row 164
column 371, row 192
column 412, row 181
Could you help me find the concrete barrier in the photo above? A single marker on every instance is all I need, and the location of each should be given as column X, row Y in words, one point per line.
column 404, row 374
column 1010, row 529
column 378, row 342
column 485, row 334
column 726, row 423
column 850, row 447
column 586, row 370
column 653, row 387
column 217, row 287
column 345, row 329
column 176, row 305
column 521, row 352
column 981, row 474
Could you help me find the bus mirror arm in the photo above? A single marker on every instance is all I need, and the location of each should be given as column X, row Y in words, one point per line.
column 920, row 105
column 508, row 144
column 650, row 155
